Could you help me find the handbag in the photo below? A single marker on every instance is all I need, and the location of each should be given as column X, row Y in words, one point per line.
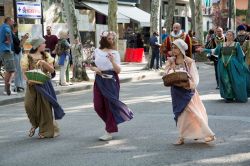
column 176, row 78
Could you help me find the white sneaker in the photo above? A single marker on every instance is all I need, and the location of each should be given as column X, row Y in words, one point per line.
column 106, row 137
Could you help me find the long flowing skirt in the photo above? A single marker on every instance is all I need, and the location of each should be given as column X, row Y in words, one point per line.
column 40, row 113
column 193, row 121
column 107, row 104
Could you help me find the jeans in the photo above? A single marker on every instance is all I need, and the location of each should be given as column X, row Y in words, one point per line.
column 155, row 55
column 18, row 74
column 63, row 71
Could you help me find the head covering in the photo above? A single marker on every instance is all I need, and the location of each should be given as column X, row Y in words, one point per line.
column 241, row 28
column 181, row 45
column 36, row 42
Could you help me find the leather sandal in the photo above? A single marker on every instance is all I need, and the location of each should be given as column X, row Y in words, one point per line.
column 41, row 136
column 180, row 141
column 32, row 131
column 210, row 138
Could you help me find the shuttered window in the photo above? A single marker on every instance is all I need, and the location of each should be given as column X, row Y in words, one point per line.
column 1, row 10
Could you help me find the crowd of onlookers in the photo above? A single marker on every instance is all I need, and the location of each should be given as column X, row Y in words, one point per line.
column 12, row 48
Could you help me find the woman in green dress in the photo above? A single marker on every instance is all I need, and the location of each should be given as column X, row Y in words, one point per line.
column 40, row 98
column 233, row 72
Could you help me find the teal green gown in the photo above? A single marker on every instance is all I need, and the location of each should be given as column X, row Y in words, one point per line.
column 233, row 73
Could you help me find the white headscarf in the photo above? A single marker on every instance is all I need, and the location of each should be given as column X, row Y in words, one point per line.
column 181, row 45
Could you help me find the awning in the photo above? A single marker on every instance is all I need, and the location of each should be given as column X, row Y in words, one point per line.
column 135, row 14
column 103, row 9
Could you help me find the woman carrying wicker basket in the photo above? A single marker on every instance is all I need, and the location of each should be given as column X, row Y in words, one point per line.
column 40, row 96
column 190, row 113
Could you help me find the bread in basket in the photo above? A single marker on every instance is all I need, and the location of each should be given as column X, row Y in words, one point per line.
column 36, row 76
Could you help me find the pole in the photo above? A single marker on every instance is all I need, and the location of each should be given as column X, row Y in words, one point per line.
column 229, row 13
column 41, row 19
column 160, row 39
column 15, row 11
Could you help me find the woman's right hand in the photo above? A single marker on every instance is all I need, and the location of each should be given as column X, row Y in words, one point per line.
column 30, row 83
column 98, row 71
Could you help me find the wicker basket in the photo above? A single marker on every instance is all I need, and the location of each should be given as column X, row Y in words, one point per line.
column 36, row 76
column 176, row 77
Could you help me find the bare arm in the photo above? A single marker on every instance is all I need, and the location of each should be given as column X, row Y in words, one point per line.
column 116, row 67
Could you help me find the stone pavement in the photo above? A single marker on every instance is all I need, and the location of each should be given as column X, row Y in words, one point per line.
column 130, row 72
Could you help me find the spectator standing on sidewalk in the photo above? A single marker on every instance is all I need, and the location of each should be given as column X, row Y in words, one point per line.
column 190, row 113
column 63, row 51
column 41, row 98
column 107, row 86
column 19, row 82
column 6, row 54
column 51, row 41
column 155, row 46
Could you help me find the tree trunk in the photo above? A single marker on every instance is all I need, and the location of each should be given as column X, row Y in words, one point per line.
column 248, row 14
column 233, row 15
column 192, row 7
column 112, row 18
column 154, row 23
column 170, row 16
column 199, row 22
column 79, row 70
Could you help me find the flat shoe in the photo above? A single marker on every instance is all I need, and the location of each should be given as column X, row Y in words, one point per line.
column 106, row 137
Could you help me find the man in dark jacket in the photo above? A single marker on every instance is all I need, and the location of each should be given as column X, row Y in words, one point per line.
column 155, row 46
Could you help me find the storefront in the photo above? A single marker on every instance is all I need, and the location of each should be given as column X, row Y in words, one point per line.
column 129, row 23
column 6, row 9
column 29, row 19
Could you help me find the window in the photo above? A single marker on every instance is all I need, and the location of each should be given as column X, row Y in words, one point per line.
column 1, row 10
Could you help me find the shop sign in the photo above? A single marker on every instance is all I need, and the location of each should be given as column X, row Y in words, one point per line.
column 29, row 10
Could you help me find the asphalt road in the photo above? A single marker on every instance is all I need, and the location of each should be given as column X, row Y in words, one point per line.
column 144, row 141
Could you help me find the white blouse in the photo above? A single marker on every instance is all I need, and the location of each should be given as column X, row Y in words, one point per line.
column 102, row 61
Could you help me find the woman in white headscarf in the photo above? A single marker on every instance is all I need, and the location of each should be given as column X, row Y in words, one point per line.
column 190, row 113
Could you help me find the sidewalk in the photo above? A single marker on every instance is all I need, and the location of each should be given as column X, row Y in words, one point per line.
column 130, row 72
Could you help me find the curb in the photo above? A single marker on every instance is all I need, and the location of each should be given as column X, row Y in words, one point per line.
column 79, row 87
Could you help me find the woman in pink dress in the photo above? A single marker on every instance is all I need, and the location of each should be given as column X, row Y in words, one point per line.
column 190, row 113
